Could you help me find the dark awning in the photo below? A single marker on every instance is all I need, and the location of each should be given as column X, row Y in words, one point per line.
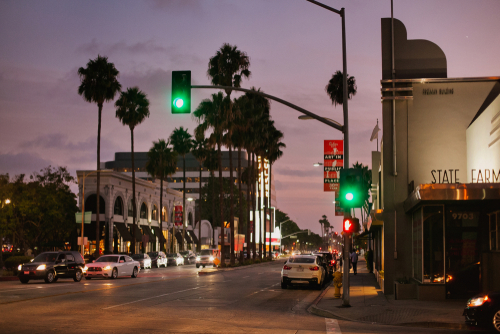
column 124, row 233
column 147, row 231
column 188, row 239
column 158, row 234
column 178, row 236
column 193, row 236
column 138, row 233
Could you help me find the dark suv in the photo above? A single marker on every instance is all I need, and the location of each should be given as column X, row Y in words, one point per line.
column 50, row 266
column 331, row 263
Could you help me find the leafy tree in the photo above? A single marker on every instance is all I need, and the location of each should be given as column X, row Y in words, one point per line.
column 98, row 84
column 162, row 162
column 324, row 226
column 335, row 88
column 183, row 143
column 132, row 108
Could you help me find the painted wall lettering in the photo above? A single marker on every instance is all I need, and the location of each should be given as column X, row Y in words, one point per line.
column 441, row 91
column 485, row 176
column 445, row 176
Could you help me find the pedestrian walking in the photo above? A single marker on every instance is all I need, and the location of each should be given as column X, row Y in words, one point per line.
column 354, row 261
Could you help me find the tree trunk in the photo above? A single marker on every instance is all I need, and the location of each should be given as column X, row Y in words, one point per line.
column 212, row 176
column 240, row 199
column 183, row 202
column 231, row 201
column 199, row 211
column 161, row 211
column 98, row 182
column 248, row 206
column 221, row 202
column 134, row 205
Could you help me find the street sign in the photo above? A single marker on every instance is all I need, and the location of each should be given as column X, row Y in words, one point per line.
column 178, row 215
column 333, row 163
column 87, row 217
column 85, row 241
column 293, row 237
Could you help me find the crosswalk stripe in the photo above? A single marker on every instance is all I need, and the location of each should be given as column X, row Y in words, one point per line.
column 332, row 326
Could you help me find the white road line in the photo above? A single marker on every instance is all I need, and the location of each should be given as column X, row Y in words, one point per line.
column 332, row 326
column 38, row 287
column 140, row 300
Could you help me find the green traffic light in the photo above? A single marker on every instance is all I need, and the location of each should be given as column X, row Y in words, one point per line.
column 349, row 196
column 178, row 102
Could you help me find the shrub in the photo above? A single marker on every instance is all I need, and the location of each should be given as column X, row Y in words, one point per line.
column 14, row 261
column 369, row 260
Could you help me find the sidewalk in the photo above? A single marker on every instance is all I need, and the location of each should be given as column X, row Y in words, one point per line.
column 369, row 304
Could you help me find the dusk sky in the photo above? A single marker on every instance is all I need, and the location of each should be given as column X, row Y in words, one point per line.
column 294, row 48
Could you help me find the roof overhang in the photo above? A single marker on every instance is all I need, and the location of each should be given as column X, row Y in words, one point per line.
column 375, row 219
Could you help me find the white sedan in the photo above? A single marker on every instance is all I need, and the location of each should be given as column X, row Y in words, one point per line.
column 112, row 266
column 303, row 269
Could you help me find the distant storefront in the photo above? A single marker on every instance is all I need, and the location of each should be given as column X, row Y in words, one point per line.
column 436, row 181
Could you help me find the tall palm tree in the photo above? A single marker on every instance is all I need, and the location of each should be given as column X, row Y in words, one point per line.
column 200, row 152
column 335, row 88
column 182, row 142
column 211, row 163
column 210, row 114
column 227, row 68
column 98, row 84
column 132, row 108
column 162, row 162
column 324, row 225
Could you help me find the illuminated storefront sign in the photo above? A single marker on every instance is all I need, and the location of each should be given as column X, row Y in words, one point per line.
column 264, row 176
column 333, row 163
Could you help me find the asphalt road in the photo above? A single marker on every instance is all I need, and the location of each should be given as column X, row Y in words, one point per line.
column 172, row 300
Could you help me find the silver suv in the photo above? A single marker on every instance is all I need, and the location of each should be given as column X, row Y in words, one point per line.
column 207, row 257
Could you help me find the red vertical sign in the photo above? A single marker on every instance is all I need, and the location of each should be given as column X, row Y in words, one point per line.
column 178, row 215
column 333, row 163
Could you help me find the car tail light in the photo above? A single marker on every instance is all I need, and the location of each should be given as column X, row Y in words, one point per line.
column 286, row 267
column 333, row 262
column 315, row 268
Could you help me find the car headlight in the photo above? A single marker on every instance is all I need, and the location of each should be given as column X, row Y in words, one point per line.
column 211, row 258
column 106, row 268
column 478, row 301
column 41, row 267
column 85, row 269
column 198, row 258
column 20, row 267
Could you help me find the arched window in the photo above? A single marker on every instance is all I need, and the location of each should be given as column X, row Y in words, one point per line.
column 154, row 213
column 118, row 210
column 91, row 204
column 144, row 211
column 190, row 219
column 164, row 216
column 131, row 208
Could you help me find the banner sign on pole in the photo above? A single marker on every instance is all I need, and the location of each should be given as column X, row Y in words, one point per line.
column 178, row 215
column 333, row 163
column 87, row 217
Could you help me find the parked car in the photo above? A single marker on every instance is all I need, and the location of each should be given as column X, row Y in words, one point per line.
column 112, row 266
column 303, row 269
column 484, row 310
column 331, row 262
column 175, row 259
column 50, row 266
column 144, row 260
column 158, row 259
column 207, row 257
column 189, row 257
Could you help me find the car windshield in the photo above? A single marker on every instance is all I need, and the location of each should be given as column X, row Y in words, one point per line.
column 171, row 255
column 301, row 260
column 184, row 253
column 46, row 257
column 138, row 256
column 206, row 252
column 107, row 259
column 153, row 254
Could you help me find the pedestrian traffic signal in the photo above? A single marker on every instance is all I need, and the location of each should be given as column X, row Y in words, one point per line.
column 350, row 225
column 352, row 188
column 181, row 92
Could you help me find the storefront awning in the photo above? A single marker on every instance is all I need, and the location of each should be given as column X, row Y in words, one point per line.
column 147, row 231
column 138, row 233
column 158, row 234
column 193, row 236
column 188, row 239
column 122, row 230
column 178, row 236
column 375, row 219
column 441, row 192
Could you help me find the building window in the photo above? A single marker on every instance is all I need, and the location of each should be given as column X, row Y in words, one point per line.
column 154, row 213
column 118, row 210
column 433, row 244
column 417, row 245
column 91, row 204
column 144, row 211
column 131, row 208
column 164, row 216
column 494, row 227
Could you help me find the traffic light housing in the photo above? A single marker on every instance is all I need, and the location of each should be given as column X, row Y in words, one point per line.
column 350, row 225
column 181, row 92
column 352, row 191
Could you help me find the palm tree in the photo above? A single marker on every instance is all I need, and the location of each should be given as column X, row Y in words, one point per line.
column 132, row 108
column 211, row 163
column 162, row 162
column 98, row 84
column 210, row 114
column 324, row 225
column 227, row 68
column 182, row 142
column 367, row 179
column 335, row 88
column 200, row 152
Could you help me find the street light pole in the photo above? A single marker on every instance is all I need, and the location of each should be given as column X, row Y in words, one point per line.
column 281, row 231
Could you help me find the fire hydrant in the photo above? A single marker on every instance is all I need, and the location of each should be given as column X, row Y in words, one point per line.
column 337, row 282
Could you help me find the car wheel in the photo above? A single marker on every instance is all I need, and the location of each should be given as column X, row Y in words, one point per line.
column 88, row 278
column 24, row 280
column 284, row 285
column 496, row 320
column 114, row 274
column 49, row 277
column 78, row 276
column 135, row 272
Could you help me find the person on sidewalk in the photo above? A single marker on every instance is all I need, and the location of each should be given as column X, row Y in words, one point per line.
column 354, row 261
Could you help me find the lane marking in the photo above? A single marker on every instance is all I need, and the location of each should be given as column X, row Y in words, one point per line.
column 332, row 326
column 140, row 300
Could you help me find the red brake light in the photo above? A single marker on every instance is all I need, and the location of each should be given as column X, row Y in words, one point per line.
column 286, row 267
column 333, row 261
column 315, row 268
